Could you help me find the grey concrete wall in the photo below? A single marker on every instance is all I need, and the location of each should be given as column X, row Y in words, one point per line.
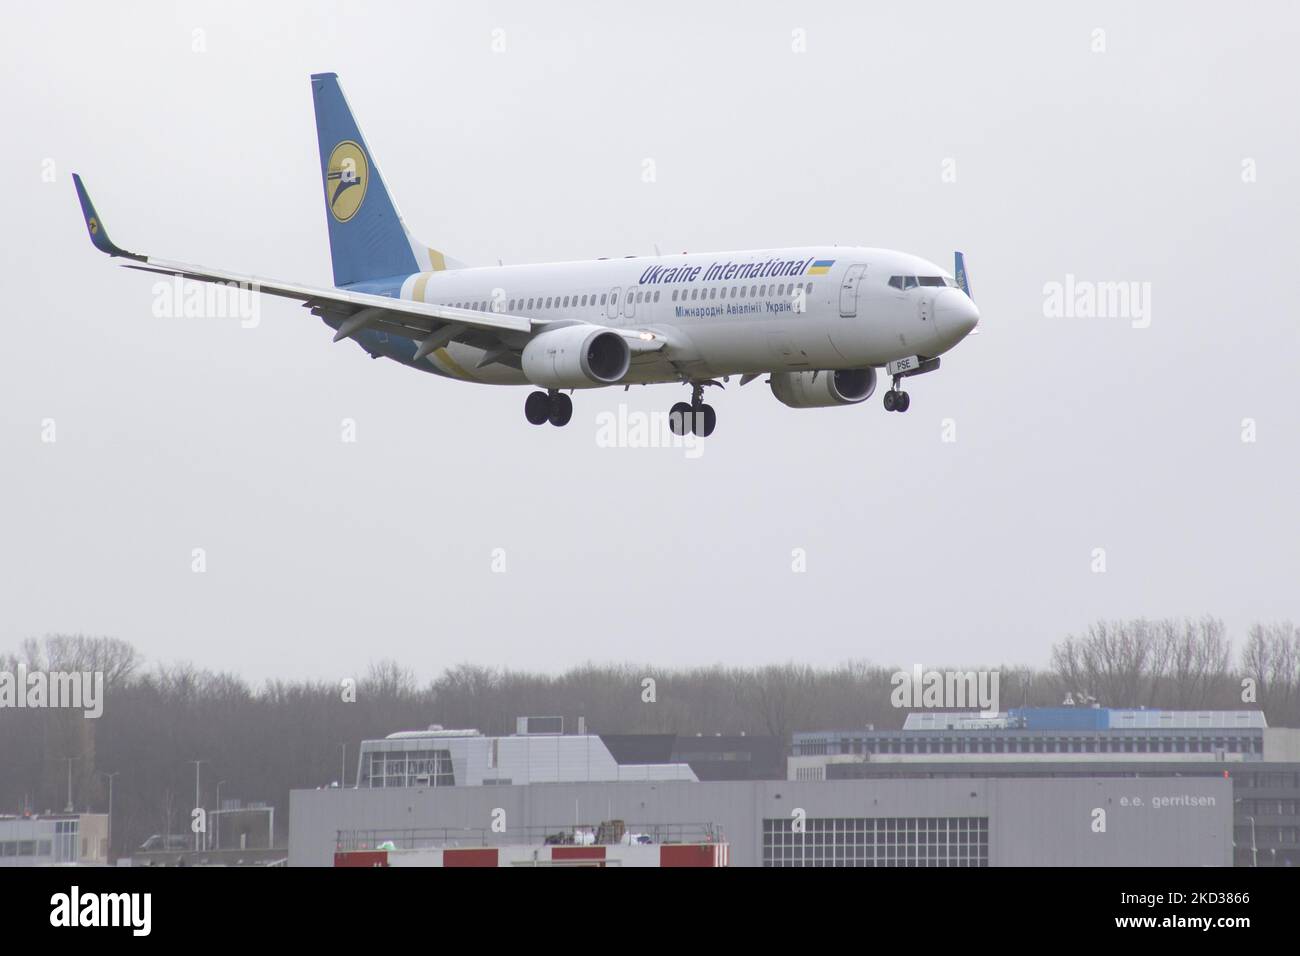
column 1032, row 822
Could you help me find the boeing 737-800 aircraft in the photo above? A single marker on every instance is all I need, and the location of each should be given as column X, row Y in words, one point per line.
column 820, row 320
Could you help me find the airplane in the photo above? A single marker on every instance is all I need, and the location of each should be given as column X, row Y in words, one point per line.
column 818, row 320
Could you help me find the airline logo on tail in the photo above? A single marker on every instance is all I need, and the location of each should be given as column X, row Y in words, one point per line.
column 346, row 179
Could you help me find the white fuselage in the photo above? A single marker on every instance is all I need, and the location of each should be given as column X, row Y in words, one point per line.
column 724, row 313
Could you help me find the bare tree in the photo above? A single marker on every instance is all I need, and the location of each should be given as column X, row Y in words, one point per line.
column 1271, row 657
column 1199, row 656
column 1119, row 662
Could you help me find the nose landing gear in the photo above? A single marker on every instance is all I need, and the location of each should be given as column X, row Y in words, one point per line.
column 554, row 407
column 897, row 400
column 696, row 417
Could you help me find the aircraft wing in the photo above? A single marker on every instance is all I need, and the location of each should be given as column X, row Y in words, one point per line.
column 358, row 310
column 433, row 326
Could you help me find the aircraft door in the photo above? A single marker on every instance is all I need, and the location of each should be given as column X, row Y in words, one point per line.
column 849, row 290
column 629, row 304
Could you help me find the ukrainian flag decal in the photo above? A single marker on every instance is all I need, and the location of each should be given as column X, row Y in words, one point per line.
column 821, row 267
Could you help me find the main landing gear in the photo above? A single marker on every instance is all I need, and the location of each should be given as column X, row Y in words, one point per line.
column 895, row 399
column 696, row 417
column 554, row 407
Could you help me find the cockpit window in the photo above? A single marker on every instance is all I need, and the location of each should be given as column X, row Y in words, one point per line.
column 911, row 282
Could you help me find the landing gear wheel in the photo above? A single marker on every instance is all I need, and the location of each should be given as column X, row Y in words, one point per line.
column 561, row 409
column 537, row 408
column 904, row 401
column 704, row 421
column 679, row 419
column 891, row 400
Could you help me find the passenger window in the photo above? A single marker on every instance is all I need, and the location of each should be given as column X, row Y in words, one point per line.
column 629, row 296
column 695, row 294
column 674, row 295
column 603, row 297
column 762, row 290
column 548, row 301
column 656, row 295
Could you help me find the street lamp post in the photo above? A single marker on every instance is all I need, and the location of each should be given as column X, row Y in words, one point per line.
column 216, row 841
column 69, row 808
column 110, row 776
column 198, row 835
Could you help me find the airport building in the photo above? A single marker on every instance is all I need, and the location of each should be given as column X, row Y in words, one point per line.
column 1050, row 734
column 466, row 790
column 63, row 839
column 539, row 752
column 1261, row 763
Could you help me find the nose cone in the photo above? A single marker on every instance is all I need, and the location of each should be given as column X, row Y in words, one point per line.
column 955, row 315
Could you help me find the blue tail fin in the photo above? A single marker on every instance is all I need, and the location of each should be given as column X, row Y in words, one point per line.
column 368, row 239
column 959, row 273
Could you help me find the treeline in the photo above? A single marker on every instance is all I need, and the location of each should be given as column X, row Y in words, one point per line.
column 260, row 742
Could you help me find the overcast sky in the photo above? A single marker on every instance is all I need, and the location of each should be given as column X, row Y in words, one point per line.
column 1169, row 158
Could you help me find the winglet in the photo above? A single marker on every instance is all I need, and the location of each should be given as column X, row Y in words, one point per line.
column 959, row 273
column 95, row 225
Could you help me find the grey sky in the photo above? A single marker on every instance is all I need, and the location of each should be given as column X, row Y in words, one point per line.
column 1072, row 433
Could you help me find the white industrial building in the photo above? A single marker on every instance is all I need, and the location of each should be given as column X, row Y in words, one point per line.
column 539, row 752
column 64, row 839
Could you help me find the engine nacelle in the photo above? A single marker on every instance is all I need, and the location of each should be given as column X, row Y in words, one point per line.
column 576, row 356
column 823, row 389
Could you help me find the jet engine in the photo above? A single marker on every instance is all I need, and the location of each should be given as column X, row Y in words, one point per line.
column 823, row 389
column 576, row 356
